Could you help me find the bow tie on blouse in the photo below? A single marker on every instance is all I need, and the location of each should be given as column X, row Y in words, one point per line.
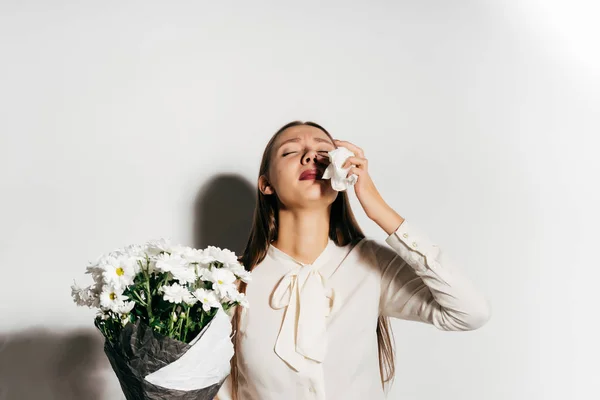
column 302, row 340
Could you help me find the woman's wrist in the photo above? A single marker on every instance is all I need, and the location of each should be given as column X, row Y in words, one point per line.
column 388, row 219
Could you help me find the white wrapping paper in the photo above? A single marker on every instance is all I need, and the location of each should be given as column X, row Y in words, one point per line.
column 204, row 364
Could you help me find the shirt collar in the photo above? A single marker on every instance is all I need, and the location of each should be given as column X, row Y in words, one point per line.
column 279, row 255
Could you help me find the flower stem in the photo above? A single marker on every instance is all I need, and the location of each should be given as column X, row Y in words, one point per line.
column 171, row 323
column 187, row 324
column 180, row 327
column 138, row 297
column 149, row 303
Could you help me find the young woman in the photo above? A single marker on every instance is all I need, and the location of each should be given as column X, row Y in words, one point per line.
column 321, row 293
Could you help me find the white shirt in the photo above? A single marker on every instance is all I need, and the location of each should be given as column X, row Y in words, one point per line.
column 332, row 353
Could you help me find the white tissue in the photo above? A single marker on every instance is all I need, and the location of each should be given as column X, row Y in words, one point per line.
column 336, row 173
column 205, row 363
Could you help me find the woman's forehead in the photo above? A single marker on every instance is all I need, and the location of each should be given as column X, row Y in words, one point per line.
column 301, row 133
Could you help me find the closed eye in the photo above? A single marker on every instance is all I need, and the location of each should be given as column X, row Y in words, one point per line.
column 320, row 151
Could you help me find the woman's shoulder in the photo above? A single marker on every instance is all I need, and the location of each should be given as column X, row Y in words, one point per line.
column 360, row 251
column 364, row 245
column 374, row 252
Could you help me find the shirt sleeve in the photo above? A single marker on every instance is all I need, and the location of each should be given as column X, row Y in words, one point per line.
column 418, row 284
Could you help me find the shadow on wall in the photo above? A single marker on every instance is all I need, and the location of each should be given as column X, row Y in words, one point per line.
column 223, row 213
column 39, row 364
column 44, row 365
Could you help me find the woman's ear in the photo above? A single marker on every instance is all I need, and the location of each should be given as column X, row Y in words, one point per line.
column 263, row 186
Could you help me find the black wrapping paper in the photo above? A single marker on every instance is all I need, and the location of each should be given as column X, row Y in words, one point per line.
column 140, row 351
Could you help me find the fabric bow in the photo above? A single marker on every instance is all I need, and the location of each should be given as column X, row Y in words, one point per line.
column 302, row 339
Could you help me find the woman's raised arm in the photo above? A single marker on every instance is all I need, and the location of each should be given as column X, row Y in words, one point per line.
column 418, row 284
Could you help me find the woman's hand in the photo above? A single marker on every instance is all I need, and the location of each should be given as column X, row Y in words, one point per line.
column 366, row 192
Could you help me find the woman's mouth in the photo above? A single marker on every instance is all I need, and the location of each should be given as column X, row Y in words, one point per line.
column 311, row 174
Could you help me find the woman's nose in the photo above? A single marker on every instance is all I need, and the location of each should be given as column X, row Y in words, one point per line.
column 310, row 155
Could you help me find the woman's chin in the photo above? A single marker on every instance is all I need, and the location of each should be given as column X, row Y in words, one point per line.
column 318, row 190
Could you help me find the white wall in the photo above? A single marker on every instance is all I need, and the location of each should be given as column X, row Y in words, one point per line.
column 124, row 121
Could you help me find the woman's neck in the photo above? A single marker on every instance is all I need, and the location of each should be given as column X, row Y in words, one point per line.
column 304, row 234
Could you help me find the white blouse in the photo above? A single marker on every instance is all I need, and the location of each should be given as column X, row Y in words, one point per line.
column 310, row 329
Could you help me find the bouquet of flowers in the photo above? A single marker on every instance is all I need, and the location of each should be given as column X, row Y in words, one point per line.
column 164, row 312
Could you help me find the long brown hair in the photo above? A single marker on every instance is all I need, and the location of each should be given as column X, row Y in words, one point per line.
column 343, row 229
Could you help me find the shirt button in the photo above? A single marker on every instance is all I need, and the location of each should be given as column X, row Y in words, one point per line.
column 414, row 244
column 311, row 389
column 405, row 235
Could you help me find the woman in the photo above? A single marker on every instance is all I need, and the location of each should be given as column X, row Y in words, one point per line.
column 322, row 294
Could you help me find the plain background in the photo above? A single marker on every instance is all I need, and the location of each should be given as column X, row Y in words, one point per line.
column 131, row 120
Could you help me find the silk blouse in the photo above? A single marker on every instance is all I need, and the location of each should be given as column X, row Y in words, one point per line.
column 310, row 329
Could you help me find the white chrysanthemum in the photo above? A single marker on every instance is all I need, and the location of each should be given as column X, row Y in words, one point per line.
column 119, row 272
column 112, row 298
column 239, row 270
column 190, row 300
column 134, row 250
column 135, row 255
column 185, row 274
column 96, row 272
column 225, row 256
column 203, row 257
column 223, row 281
column 241, row 299
column 197, row 256
column 208, row 298
column 221, row 276
column 177, row 266
column 85, row 296
column 114, row 254
column 176, row 293
column 167, row 262
column 101, row 260
column 125, row 308
column 179, row 249
column 203, row 272
column 155, row 247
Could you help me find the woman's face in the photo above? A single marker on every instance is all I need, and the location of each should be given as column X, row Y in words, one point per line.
column 296, row 150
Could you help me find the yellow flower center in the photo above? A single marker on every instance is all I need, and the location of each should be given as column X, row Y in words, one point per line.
column 112, row 296
column 120, row 271
column 220, row 282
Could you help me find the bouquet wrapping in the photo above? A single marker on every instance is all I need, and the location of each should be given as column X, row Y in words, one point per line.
column 164, row 311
